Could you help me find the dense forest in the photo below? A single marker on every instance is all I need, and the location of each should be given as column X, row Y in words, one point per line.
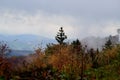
column 62, row 61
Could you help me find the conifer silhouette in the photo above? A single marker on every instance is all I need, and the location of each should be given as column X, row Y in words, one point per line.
column 60, row 36
column 108, row 44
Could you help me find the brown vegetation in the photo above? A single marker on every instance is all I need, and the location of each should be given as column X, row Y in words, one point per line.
column 67, row 62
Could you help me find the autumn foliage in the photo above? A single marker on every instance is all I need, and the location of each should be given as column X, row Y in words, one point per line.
column 63, row 62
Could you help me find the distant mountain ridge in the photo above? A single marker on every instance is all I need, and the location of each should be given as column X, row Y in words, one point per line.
column 25, row 42
column 30, row 42
column 20, row 53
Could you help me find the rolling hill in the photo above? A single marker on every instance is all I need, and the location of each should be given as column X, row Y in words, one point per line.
column 25, row 42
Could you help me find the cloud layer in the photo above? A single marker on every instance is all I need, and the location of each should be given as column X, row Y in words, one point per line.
column 39, row 23
column 80, row 18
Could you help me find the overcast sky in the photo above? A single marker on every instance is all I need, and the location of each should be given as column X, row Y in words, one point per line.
column 79, row 18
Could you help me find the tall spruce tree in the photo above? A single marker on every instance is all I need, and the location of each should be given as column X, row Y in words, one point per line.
column 60, row 37
column 77, row 46
column 108, row 44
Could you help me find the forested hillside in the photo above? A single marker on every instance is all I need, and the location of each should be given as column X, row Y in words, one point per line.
column 62, row 61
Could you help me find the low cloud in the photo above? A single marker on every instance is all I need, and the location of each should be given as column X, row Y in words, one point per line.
column 39, row 23
column 45, row 24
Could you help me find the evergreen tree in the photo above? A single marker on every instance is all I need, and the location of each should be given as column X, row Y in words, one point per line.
column 76, row 43
column 108, row 44
column 60, row 36
column 77, row 46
